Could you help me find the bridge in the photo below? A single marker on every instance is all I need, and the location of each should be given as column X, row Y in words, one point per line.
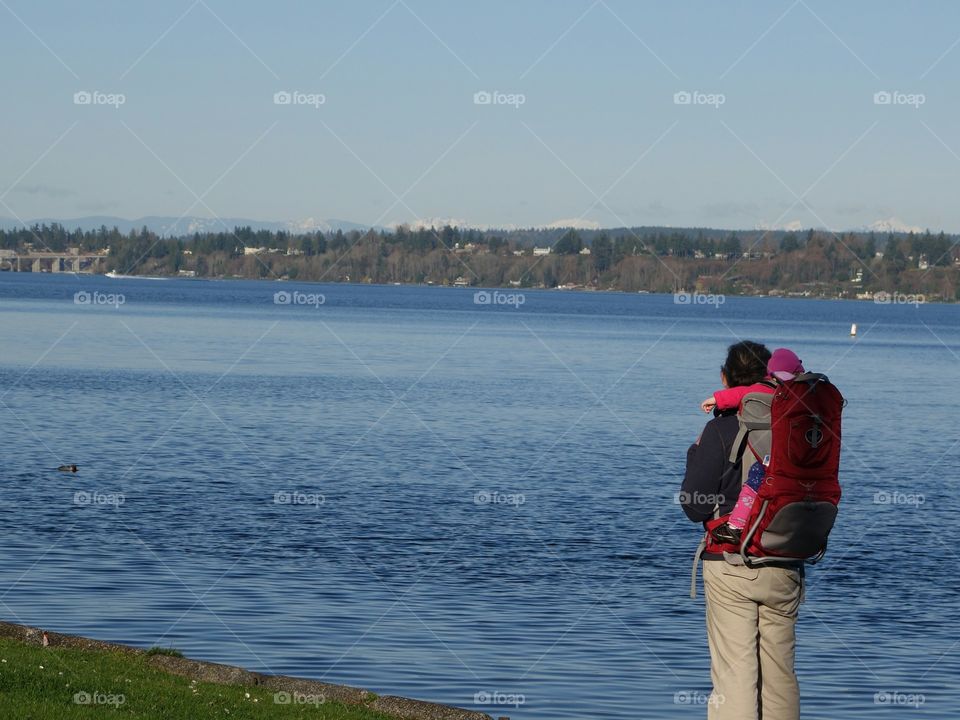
column 53, row 262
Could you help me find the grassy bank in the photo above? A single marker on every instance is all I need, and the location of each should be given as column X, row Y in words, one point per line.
column 49, row 683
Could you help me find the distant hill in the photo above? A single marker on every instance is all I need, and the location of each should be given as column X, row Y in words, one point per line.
column 178, row 227
column 914, row 267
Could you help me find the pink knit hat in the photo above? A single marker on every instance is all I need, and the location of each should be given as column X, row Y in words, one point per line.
column 784, row 364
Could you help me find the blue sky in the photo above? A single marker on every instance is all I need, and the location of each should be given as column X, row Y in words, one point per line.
column 782, row 127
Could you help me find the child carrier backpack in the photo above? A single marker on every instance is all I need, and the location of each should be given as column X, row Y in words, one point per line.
column 795, row 433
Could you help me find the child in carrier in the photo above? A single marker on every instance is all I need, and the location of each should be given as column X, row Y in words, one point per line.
column 783, row 365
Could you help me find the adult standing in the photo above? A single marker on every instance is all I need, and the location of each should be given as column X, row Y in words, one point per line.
column 751, row 612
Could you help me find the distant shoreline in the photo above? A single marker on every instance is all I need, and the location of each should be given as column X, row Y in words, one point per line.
column 893, row 299
column 901, row 269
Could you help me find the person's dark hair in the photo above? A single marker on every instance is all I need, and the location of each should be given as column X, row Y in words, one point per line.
column 746, row 363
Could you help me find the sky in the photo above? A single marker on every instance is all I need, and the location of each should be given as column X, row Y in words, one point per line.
column 501, row 113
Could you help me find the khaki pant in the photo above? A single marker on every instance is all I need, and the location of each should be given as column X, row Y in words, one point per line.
column 751, row 621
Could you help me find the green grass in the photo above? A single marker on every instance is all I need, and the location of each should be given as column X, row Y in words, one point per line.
column 171, row 652
column 38, row 683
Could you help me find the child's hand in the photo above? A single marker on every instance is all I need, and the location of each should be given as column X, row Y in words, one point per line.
column 709, row 404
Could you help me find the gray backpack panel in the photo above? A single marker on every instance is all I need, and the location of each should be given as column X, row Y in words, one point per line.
column 800, row 528
column 754, row 417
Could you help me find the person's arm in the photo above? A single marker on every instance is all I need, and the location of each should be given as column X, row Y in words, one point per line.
column 706, row 462
column 729, row 398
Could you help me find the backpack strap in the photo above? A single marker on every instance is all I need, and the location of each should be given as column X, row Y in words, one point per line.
column 698, row 555
column 696, row 564
column 740, row 441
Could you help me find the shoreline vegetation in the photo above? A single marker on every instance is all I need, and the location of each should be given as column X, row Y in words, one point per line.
column 858, row 265
column 49, row 676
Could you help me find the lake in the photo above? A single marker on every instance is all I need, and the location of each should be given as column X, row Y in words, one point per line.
column 465, row 499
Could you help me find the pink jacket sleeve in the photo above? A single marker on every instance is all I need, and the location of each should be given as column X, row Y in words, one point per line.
column 732, row 397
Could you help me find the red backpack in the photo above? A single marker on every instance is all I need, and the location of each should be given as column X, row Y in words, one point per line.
column 798, row 429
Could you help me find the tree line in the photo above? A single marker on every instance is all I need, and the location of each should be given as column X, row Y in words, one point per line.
column 653, row 259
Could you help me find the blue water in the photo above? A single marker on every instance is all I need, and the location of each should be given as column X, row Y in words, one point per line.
column 388, row 412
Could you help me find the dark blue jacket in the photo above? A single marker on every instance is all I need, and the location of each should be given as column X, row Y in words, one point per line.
column 710, row 478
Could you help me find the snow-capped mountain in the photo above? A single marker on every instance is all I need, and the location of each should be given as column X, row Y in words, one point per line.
column 891, row 225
